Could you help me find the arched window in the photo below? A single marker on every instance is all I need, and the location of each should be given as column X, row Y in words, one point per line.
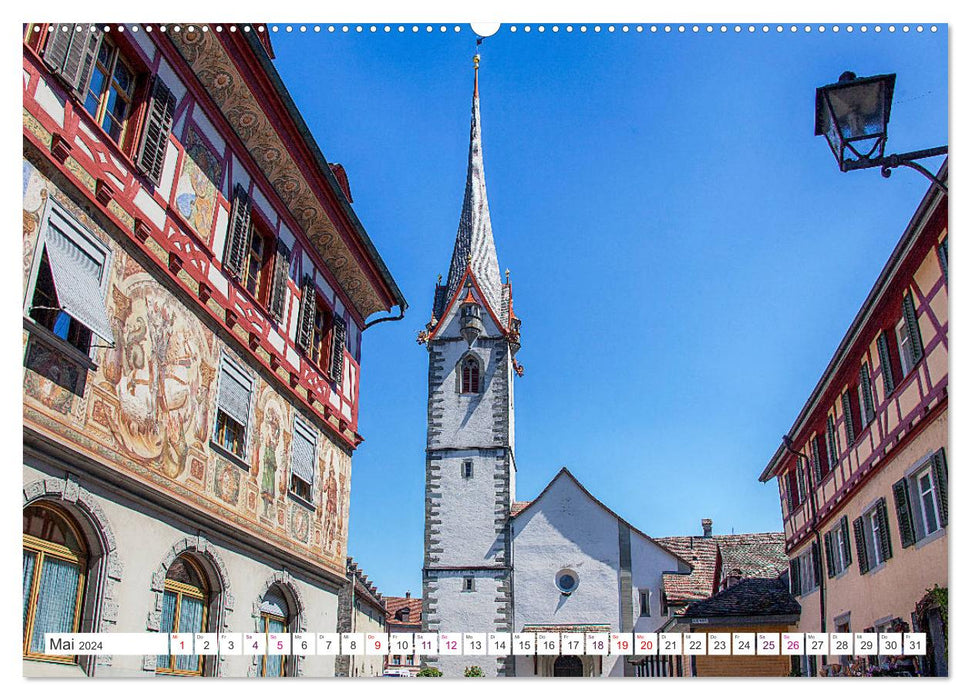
column 185, row 609
column 275, row 617
column 54, row 566
column 470, row 376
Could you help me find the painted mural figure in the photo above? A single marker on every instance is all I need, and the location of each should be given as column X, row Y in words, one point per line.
column 268, row 459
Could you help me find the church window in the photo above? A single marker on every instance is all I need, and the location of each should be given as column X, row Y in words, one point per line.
column 470, row 376
column 54, row 567
column 468, row 584
column 467, row 469
column 567, row 581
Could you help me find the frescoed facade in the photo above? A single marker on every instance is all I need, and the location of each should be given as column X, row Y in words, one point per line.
column 196, row 285
column 864, row 482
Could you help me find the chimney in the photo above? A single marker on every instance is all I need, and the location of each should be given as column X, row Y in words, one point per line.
column 706, row 526
column 407, row 594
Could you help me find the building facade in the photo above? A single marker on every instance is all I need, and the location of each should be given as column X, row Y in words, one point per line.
column 563, row 562
column 361, row 609
column 863, row 479
column 404, row 617
column 195, row 289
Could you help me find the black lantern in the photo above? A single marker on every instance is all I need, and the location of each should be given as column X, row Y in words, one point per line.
column 853, row 115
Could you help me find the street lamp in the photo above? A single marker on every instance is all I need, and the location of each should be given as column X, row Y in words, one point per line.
column 853, row 115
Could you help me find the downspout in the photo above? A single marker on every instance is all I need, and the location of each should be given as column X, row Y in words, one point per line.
column 787, row 443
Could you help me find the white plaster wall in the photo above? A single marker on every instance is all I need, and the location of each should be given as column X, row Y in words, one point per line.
column 467, row 531
column 466, row 612
column 649, row 561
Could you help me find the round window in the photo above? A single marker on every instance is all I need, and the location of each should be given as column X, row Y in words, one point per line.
column 567, row 581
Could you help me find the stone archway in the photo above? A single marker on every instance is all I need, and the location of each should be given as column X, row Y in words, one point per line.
column 567, row 667
column 222, row 602
column 285, row 582
column 100, row 610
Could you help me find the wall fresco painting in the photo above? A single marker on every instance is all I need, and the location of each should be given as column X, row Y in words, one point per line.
column 195, row 194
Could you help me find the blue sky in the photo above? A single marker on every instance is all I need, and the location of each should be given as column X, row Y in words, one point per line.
column 685, row 255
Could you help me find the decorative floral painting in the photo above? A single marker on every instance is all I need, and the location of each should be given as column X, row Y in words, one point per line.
column 195, row 195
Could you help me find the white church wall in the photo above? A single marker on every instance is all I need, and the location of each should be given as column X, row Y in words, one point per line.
column 649, row 561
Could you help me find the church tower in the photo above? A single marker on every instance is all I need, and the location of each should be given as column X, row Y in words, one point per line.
column 470, row 468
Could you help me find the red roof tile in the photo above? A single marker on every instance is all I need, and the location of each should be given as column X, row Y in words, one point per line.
column 517, row 506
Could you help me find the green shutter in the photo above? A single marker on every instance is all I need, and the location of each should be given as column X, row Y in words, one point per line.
column 913, row 328
column 940, row 480
column 155, row 134
column 817, row 461
column 942, row 256
column 905, row 515
column 828, row 545
column 832, row 449
column 239, row 236
column 308, row 307
column 884, row 542
column 883, row 347
column 72, row 54
column 867, row 391
column 816, row 559
column 860, row 545
column 847, row 550
column 795, row 581
column 281, row 273
column 802, row 493
column 339, row 342
column 848, row 418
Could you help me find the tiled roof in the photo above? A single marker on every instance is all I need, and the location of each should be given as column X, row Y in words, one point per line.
column 394, row 604
column 750, row 597
column 518, row 506
column 750, row 555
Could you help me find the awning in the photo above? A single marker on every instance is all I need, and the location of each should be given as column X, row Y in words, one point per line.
column 77, row 280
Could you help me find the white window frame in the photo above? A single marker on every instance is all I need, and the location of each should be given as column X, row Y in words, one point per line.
column 918, row 509
column 871, row 526
column 838, row 550
column 807, row 572
column 76, row 230
column 904, row 342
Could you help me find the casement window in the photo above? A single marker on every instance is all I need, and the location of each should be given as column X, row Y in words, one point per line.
column 467, row 469
column 233, row 408
column 111, row 91
column 645, row 603
column 468, row 584
column 804, row 571
column 275, row 618
column 321, row 335
column 837, row 545
column 255, row 258
column 904, row 342
column 470, row 375
column 865, row 394
column 70, row 280
column 884, row 343
column 303, row 459
column 185, row 609
column 55, row 561
column 909, row 343
column 872, row 533
column 920, row 500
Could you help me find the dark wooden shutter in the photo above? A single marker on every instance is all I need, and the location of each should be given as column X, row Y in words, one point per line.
column 942, row 256
column 913, row 328
column 883, row 347
column 801, row 478
column 940, row 480
column 308, row 307
column 239, row 235
column 72, row 54
column 830, row 564
column 861, row 555
column 884, row 521
column 156, row 131
column 847, row 550
column 832, row 449
column 339, row 339
column 867, row 391
column 905, row 515
column 281, row 273
column 815, row 558
column 795, row 581
column 817, row 461
column 848, row 418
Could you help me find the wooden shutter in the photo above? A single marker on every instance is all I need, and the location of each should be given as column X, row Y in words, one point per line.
column 905, row 514
column 867, row 391
column 942, row 256
column 884, row 521
column 239, row 236
column 816, row 559
column 800, row 481
column 830, row 564
column 847, row 550
column 795, row 581
column 913, row 328
column 861, row 545
column 72, row 54
column 832, row 449
column 793, row 489
column 817, row 461
column 308, row 307
column 338, row 341
column 848, row 418
column 281, row 273
column 156, row 131
column 883, row 347
column 940, row 480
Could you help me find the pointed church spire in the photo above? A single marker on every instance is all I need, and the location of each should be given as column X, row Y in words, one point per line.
column 475, row 247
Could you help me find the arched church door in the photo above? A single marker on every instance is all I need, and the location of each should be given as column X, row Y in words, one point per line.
column 567, row 667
